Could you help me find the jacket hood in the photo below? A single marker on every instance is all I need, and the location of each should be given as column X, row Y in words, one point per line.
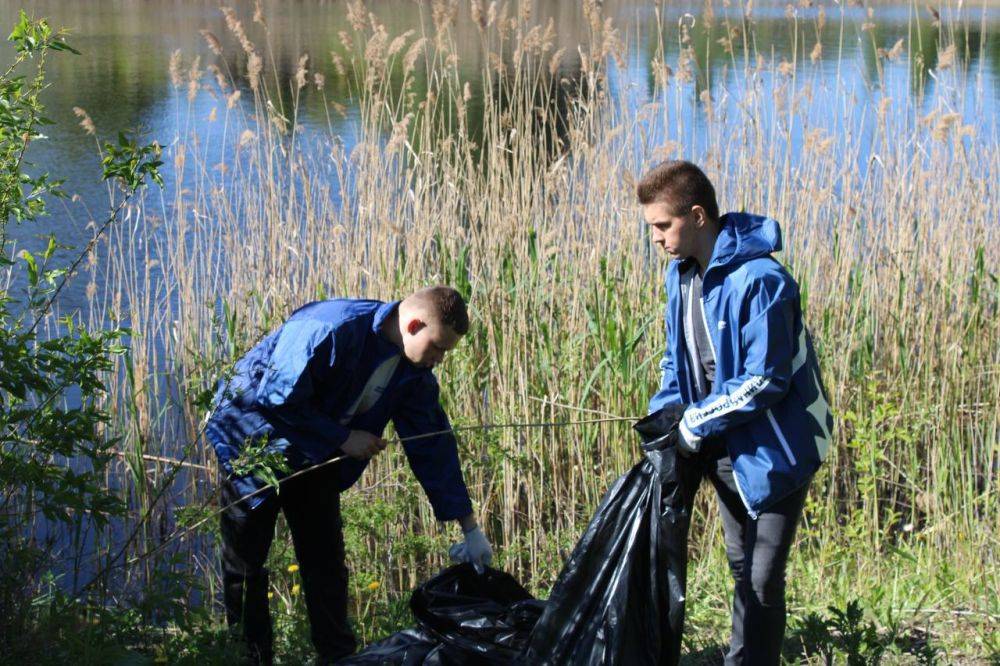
column 744, row 237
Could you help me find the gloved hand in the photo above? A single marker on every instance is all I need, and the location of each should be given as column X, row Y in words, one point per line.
column 475, row 549
column 659, row 429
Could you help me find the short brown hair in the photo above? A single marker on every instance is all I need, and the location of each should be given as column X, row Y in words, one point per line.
column 447, row 304
column 681, row 184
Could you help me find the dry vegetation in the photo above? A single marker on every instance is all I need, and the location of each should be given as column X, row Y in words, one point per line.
column 890, row 222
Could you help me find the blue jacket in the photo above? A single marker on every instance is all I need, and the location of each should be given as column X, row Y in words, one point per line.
column 768, row 402
column 297, row 387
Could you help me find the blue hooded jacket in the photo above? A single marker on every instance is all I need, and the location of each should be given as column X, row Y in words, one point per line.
column 298, row 389
column 768, row 402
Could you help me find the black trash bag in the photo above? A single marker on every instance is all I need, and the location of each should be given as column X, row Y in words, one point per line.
column 618, row 600
column 483, row 619
column 463, row 618
column 410, row 647
column 620, row 596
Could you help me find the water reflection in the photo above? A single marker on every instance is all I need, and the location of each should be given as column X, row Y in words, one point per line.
column 122, row 79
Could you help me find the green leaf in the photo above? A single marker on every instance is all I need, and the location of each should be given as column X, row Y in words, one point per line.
column 29, row 259
column 52, row 276
column 29, row 36
column 59, row 45
column 21, row 28
column 51, row 248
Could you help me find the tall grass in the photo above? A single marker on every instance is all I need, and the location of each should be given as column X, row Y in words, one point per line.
column 516, row 186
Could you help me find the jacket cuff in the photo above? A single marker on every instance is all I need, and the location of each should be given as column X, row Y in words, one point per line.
column 688, row 439
column 452, row 508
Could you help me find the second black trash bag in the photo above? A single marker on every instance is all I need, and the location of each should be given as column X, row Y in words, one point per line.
column 478, row 619
column 620, row 596
column 462, row 618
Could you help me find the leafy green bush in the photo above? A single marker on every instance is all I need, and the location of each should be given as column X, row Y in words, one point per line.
column 54, row 442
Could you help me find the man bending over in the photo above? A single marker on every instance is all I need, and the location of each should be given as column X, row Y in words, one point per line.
column 325, row 384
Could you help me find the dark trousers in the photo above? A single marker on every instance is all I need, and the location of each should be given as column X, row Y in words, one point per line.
column 757, row 551
column 311, row 504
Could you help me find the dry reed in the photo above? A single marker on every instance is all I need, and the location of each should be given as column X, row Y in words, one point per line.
column 890, row 227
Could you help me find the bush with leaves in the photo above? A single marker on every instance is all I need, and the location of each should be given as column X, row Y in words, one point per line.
column 54, row 441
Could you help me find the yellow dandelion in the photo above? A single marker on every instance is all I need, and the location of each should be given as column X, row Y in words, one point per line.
column 292, row 568
column 296, row 588
column 372, row 586
column 270, row 595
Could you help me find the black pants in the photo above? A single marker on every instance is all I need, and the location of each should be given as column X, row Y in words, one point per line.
column 311, row 504
column 757, row 551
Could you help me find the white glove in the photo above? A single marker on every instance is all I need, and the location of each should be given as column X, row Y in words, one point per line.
column 475, row 549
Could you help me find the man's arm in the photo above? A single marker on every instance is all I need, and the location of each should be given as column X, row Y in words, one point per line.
column 768, row 339
column 304, row 351
column 670, row 392
column 434, row 458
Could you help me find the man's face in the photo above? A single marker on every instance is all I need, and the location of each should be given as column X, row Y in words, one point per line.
column 425, row 341
column 675, row 234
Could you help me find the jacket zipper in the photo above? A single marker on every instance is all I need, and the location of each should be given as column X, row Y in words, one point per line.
column 715, row 359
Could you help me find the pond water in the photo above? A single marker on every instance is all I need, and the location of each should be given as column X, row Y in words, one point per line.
column 122, row 77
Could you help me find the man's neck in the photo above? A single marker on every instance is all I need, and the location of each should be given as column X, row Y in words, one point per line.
column 706, row 248
column 390, row 329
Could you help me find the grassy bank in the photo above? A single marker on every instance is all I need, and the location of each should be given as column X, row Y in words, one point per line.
column 516, row 186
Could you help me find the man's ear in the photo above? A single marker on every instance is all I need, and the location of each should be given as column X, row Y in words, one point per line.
column 415, row 326
column 700, row 215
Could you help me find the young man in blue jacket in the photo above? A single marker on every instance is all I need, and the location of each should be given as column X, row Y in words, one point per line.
column 326, row 384
column 740, row 361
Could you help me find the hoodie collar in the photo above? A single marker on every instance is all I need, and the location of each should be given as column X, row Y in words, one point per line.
column 382, row 313
column 743, row 237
